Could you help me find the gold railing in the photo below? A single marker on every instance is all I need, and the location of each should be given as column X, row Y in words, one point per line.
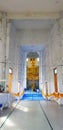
column 18, row 94
column 54, row 94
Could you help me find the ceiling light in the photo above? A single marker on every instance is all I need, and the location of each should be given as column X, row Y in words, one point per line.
column 26, row 59
column 37, row 59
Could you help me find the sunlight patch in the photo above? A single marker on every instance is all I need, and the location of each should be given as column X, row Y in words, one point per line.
column 9, row 123
column 25, row 109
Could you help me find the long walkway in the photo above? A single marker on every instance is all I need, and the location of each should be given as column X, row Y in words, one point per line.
column 34, row 115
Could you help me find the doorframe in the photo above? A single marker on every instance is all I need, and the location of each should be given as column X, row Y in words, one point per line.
column 10, row 79
column 55, row 80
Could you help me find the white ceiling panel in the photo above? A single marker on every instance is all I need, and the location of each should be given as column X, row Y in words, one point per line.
column 18, row 6
column 34, row 24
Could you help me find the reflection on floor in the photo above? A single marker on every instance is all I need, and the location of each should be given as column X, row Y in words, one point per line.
column 6, row 112
column 31, row 115
column 32, row 95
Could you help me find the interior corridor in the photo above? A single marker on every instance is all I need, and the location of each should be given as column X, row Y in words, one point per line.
column 33, row 115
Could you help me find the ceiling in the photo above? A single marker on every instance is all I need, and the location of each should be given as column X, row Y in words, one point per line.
column 28, row 14
column 34, row 23
column 32, row 48
column 32, row 14
column 19, row 6
column 32, row 55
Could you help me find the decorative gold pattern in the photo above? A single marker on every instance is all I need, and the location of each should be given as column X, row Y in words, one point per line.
column 32, row 71
column 56, row 95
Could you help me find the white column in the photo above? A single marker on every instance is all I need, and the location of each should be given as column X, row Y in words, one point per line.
column 7, row 49
column 3, row 34
column 40, row 70
column 60, row 65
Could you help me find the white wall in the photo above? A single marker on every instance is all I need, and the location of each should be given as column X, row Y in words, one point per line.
column 53, row 57
column 21, row 68
column 13, row 56
column 3, row 33
column 32, row 36
column 12, row 45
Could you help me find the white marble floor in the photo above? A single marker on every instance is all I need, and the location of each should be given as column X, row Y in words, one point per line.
column 34, row 115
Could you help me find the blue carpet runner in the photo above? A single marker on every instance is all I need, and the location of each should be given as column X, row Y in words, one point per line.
column 32, row 96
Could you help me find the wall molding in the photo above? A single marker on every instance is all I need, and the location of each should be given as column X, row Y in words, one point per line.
column 33, row 15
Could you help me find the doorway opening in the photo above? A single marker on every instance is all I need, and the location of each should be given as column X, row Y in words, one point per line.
column 32, row 71
column 55, row 80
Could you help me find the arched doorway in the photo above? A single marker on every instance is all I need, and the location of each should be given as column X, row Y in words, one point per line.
column 32, row 71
